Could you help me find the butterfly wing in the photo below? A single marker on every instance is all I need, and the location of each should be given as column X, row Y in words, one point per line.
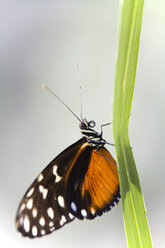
column 93, row 184
column 43, row 208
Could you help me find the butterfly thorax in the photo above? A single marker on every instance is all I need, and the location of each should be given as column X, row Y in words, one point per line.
column 92, row 137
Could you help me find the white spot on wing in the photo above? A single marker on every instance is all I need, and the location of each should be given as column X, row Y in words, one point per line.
column 41, row 188
column 34, row 231
column 40, row 177
column 26, row 224
column 34, row 212
column 73, row 206
column 61, row 201
column 29, row 203
column 52, row 229
column 43, row 232
column 63, row 220
column 19, row 222
column 44, row 193
column 42, row 221
column 22, row 208
column 93, row 211
column 58, row 178
column 30, row 192
column 84, row 212
column 51, row 224
column 71, row 216
column 50, row 213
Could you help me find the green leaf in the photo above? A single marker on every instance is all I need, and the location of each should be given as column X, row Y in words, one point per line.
column 135, row 221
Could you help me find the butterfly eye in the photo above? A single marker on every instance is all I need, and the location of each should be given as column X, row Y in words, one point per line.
column 82, row 125
column 92, row 124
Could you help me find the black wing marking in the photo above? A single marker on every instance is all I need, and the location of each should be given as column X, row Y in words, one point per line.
column 43, row 208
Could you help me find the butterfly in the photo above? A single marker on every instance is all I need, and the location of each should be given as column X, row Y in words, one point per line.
column 81, row 182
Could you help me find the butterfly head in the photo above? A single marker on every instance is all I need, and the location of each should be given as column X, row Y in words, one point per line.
column 91, row 136
column 85, row 125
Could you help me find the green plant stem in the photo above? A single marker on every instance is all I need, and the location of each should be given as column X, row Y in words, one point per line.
column 136, row 226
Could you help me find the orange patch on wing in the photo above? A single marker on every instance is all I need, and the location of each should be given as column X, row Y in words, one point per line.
column 101, row 180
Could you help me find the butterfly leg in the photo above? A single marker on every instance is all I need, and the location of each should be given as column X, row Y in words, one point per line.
column 104, row 126
column 102, row 132
column 96, row 151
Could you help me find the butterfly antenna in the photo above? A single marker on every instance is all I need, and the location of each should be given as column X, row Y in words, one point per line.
column 80, row 87
column 51, row 91
column 81, row 99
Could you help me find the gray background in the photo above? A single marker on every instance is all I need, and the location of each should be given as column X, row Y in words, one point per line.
column 42, row 42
